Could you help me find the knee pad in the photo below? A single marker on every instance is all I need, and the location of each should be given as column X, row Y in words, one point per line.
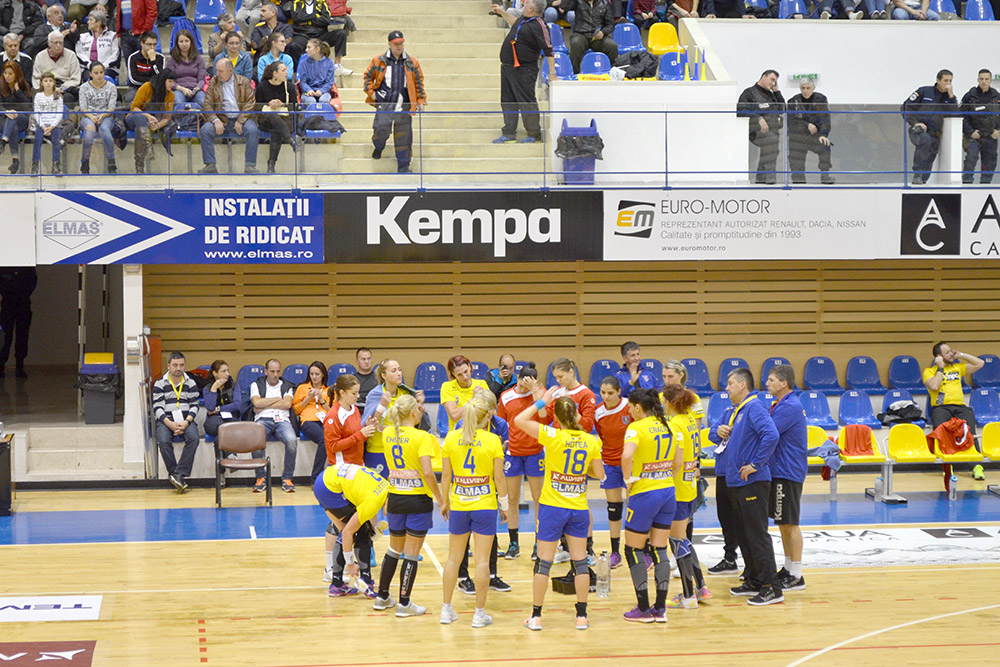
column 331, row 528
column 581, row 566
column 363, row 538
column 680, row 547
column 615, row 511
column 543, row 566
column 632, row 555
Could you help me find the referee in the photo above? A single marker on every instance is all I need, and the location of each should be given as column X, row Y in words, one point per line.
column 527, row 40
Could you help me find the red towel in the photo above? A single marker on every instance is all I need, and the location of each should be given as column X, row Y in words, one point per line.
column 857, row 441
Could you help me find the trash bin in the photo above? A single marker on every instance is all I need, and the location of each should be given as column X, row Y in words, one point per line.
column 99, row 380
column 579, row 147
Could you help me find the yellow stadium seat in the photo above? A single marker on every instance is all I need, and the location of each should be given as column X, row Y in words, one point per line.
column 662, row 36
column 706, row 464
column 991, row 441
column 908, row 444
column 877, row 456
column 817, row 437
column 966, row 456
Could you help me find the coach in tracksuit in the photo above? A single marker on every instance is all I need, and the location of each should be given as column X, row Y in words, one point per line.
column 981, row 128
column 527, row 40
column 923, row 113
column 763, row 104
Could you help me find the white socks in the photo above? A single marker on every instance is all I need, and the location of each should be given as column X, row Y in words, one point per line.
column 795, row 568
column 329, row 560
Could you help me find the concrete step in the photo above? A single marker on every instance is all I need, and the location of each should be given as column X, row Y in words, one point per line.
column 60, row 438
column 497, row 168
column 381, row 25
column 443, row 60
column 485, row 150
column 457, row 48
column 74, row 459
column 410, row 7
column 417, row 35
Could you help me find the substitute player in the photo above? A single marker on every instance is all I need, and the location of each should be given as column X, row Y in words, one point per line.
column 613, row 417
column 377, row 404
column 570, row 454
column 674, row 372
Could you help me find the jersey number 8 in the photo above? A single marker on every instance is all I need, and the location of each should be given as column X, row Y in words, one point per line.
column 397, row 457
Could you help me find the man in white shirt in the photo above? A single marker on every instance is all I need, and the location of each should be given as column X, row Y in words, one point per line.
column 271, row 397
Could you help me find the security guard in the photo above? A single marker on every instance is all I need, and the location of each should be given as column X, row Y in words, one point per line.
column 922, row 111
column 981, row 128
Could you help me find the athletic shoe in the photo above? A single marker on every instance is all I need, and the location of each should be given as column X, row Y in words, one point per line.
column 615, row 560
column 660, row 615
column 561, row 555
column 648, row 559
column 637, row 616
column 370, row 591
column 287, row 486
column 448, row 614
column 854, row 16
column 825, row 15
column 513, row 551
column 481, row 619
column 259, row 485
column 790, row 583
column 377, row 154
column 529, row 140
column 582, row 622
column 409, row 610
column 342, row 591
column 681, row 602
column 782, row 574
column 340, row 70
column 467, row 586
column 745, row 590
column 768, row 595
column 504, row 140
column 978, row 473
column 534, row 623
column 703, row 594
column 534, row 552
column 381, row 605
column 327, row 575
column 499, row 585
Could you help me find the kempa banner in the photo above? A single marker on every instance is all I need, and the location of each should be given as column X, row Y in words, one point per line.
column 477, row 226
column 801, row 224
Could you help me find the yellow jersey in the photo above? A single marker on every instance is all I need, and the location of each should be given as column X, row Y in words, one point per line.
column 403, row 449
column 362, row 487
column 452, row 391
column 697, row 410
column 568, row 455
column 687, row 488
column 950, row 391
column 653, row 459
column 472, row 468
column 375, row 444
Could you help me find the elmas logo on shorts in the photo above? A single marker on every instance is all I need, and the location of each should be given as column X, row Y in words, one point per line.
column 931, row 224
column 635, row 219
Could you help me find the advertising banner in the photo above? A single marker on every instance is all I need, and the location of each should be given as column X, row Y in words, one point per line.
column 18, row 247
column 178, row 228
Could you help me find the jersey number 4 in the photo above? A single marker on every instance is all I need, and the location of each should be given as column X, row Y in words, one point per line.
column 470, row 462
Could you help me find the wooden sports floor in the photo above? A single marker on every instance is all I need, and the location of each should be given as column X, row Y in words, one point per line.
column 243, row 601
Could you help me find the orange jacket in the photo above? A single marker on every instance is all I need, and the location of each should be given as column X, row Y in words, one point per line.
column 375, row 75
column 344, row 441
column 954, row 436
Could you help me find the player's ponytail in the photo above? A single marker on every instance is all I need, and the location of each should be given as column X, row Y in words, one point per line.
column 649, row 401
column 400, row 410
column 565, row 411
column 680, row 399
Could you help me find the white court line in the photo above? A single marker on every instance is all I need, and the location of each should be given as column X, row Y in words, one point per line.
column 253, row 533
column 434, row 560
column 834, row 647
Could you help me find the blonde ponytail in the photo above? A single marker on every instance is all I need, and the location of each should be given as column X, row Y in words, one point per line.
column 476, row 416
column 400, row 410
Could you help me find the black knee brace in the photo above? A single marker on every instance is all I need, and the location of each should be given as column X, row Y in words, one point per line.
column 543, row 566
column 581, row 566
column 332, row 529
column 615, row 511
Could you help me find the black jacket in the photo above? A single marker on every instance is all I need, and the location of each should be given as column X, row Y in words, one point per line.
column 593, row 17
column 32, row 17
column 756, row 102
column 310, row 24
column 982, row 104
column 802, row 112
column 924, row 106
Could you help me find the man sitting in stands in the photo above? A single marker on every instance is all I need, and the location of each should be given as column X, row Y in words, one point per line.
column 12, row 52
column 268, row 24
column 55, row 21
column 943, row 379
column 175, row 405
column 592, row 30
column 229, row 100
column 272, row 399
column 63, row 64
column 143, row 65
column 311, row 19
column 21, row 17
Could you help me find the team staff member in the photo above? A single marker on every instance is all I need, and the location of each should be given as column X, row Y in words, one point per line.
column 380, row 399
column 571, row 453
column 459, row 390
column 394, row 84
column 752, row 439
column 789, row 466
column 654, row 459
column 527, row 39
column 472, row 477
column 981, row 127
column 943, row 379
column 502, row 378
column 922, row 111
column 410, row 507
column 613, row 418
column 762, row 103
column 632, row 375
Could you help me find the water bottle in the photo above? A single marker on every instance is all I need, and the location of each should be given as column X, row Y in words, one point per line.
column 879, row 487
column 603, row 575
column 953, row 488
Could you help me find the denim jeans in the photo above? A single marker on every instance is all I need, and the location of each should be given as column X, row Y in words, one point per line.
column 551, row 15
column 90, row 133
column 12, row 127
column 287, row 435
column 165, row 442
column 36, row 153
column 250, row 133
column 903, row 15
column 187, row 120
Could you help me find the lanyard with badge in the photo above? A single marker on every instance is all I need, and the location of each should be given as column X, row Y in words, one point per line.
column 513, row 42
column 732, row 420
column 177, row 414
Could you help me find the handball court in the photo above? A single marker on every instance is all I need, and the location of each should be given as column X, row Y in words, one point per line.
column 182, row 583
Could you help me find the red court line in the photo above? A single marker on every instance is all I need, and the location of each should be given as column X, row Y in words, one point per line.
column 202, row 639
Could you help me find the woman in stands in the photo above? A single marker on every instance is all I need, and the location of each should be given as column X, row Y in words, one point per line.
column 459, row 390
column 570, row 454
column 472, row 477
column 310, row 403
column 378, row 402
column 242, row 61
column 15, row 102
column 220, row 399
column 274, row 51
column 679, row 402
column 151, row 111
column 674, row 372
column 278, row 98
column 653, row 458
column 48, row 116
column 316, row 73
column 98, row 100
column 613, row 418
column 225, row 24
column 191, row 73
column 413, row 489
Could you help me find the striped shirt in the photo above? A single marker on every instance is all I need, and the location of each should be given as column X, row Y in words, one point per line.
column 169, row 398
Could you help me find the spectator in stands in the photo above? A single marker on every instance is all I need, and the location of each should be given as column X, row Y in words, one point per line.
column 277, row 97
column 234, row 53
column 63, row 64
column 341, row 14
column 684, row 9
column 16, row 285
column 272, row 398
column 99, row 43
column 847, row 9
column 268, row 24
column 943, row 379
column 924, row 112
column 143, row 65
column 131, row 26
column 592, row 30
column 395, row 99
column 21, row 17
column 913, row 10
column 12, row 53
column 763, row 103
column 78, row 9
column 365, row 374
column 560, row 10
column 311, row 19
column 316, row 73
column 875, row 9
column 151, row 111
column 502, row 378
column 459, row 390
column 809, row 130
column 98, row 101
column 981, row 127
column 175, row 406
column 229, row 101
column 190, row 69
column 274, row 50
column 310, row 403
column 644, row 13
column 527, row 40
column 54, row 22
column 249, row 13
column 220, row 399
column 225, row 24
column 631, row 375
column 15, row 102
column 48, row 120
column 727, row 9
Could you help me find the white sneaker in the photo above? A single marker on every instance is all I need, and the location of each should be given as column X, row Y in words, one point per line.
column 825, row 15
column 675, row 574
column 340, row 70
column 410, row 610
column 480, row 619
column 381, row 605
column 328, row 575
column 448, row 614
column 854, row 16
column 561, row 555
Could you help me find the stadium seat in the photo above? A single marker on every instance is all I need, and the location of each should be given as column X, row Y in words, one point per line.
column 908, row 444
column 206, row 12
column 550, row 379
column 817, row 410
column 334, row 371
column 970, row 455
column 706, row 464
column 245, row 378
column 905, row 373
column 978, row 10
column 655, row 367
column 789, row 9
column 479, row 370
column 862, row 373
column 564, row 68
column 662, row 36
column 856, row 408
column 627, row 37
column 985, row 403
column 728, row 366
column 875, row 457
column 769, row 363
column 296, row 373
column 594, row 62
column 821, row 375
column 442, row 421
column 942, row 6
column 717, row 405
column 182, row 23
column 989, row 374
column 518, row 365
column 671, row 64
column 816, row 437
column 429, row 378
column 991, row 450
column 765, row 397
column 697, row 371
column 599, row 370
column 893, row 395
column 558, row 40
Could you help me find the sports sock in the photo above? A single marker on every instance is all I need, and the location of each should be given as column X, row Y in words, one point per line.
column 661, row 572
column 699, row 576
column 616, row 543
column 364, row 557
column 795, row 568
column 512, row 534
column 389, row 564
column 406, row 577
column 493, row 556
column 331, row 558
column 581, row 609
column 536, row 611
column 637, row 570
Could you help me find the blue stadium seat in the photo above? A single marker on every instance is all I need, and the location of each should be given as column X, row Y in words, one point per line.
column 717, row 405
column 206, row 12
column 942, row 6
column 893, row 395
column 245, row 378
column 550, row 379
column 765, row 397
column 698, row 380
column 905, row 373
column 862, row 373
column 479, row 370
column 600, row 369
column 989, row 374
column 442, row 421
column 518, row 365
column 334, row 371
column 627, row 37
column 326, row 111
column 296, row 373
column 985, row 403
column 182, row 23
column 564, row 68
column 595, row 62
column 671, row 66
column 654, row 366
column 821, row 375
column 978, row 10
column 558, row 41
column 727, row 366
column 856, row 408
column 791, row 8
column 429, row 378
column 769, row 363
column 817, row 410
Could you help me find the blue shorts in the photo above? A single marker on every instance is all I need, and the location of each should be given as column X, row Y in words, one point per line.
column 409, row 523
column 553, row 522
column 376, row 461
column 327, row 498
column 685, row 509
column 532, row 466
column 613, row 478
column 651, row 508
column 480, row 522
